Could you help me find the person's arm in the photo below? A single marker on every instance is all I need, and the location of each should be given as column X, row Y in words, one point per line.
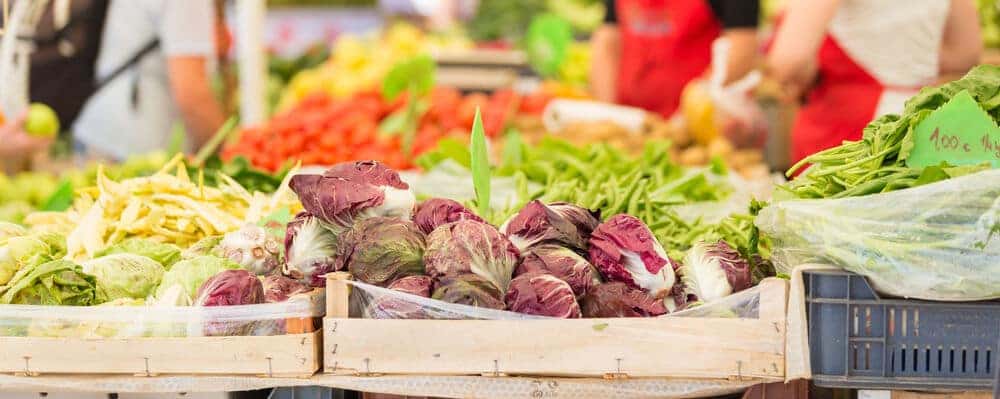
column 961, row 42
column 606, row 56
column 187, row 35
column 191, row 89
column 739, row 19
column 605, row 47
column 742, row 57
column 792, row 58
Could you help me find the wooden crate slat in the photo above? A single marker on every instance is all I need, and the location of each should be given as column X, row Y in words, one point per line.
column 279, row 355
column 682, row 347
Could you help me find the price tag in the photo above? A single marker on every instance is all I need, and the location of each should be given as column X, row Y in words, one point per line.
column 959, row 133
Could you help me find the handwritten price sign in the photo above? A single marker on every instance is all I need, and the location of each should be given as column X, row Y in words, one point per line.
column 959, row 133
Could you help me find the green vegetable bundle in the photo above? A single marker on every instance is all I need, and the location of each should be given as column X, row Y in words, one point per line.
column 877, row 162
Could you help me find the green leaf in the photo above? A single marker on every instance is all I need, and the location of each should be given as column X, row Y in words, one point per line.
column 178, row 136
column 513, row 149
column 213, row 143
column 61, row 199
column 416, row 73
column 480, row 161
column 447, row 148
column 600, row 326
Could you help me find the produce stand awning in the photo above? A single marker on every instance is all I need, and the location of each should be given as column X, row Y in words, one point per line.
column 442, row 386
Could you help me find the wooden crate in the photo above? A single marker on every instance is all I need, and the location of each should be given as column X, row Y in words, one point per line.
column 295, row 354
column 681, row 347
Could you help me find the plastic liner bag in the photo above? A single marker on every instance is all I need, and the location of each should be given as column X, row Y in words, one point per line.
column 157, row 321
column 743, row 190
column 372, row 302
column 934, row 242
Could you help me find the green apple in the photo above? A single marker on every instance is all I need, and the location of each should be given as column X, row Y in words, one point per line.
column 41, row 121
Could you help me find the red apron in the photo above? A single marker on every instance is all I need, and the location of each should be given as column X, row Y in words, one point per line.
column 839, row 107
column 665, row 45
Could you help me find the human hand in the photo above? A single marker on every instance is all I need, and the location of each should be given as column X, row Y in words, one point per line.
column 15, row 142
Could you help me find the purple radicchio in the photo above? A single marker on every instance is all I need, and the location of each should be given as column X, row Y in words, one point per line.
column 230, row 287
column 617, row 299
column 542, row 294
column 563, row 263
column 438, row 211
column 468, row 246
column 561, row 223
column 468, row 289
column 714, row 270
column 624, row 249
column 278, row 288
column 309, row 250
column 351, row 191
column 380, row 250
column 414, row 285
column 399, row 307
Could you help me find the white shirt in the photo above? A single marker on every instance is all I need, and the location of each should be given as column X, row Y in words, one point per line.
column 111, row 123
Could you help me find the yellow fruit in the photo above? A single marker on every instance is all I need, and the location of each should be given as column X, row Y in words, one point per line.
column 41, row 121
column 699, row 112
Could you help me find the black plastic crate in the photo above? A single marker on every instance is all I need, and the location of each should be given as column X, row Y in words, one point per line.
column 860, row 340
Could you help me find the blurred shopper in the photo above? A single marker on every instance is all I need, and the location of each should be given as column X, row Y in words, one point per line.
column 155, row 66
column 648, row 50
column 854, row 60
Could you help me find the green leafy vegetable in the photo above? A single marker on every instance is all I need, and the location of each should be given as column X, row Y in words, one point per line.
column 877, row 162
column 57, row 282
column 480, row 163
column 163, row 253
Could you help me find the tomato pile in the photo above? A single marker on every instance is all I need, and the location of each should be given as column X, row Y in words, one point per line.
column 322, row 130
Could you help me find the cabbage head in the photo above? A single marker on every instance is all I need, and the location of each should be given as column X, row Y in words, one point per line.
column 20, row 252
column 58, row 282
column 163, row 253
column 190, row 274
column 123, row 275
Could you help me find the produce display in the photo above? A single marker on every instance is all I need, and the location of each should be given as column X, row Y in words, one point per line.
column 359, row 63
column 166, row 245
column 917, row 232
column 603, row 178
column 323, row 130
column 44, row 190
column 877, row 162
column 542, row 261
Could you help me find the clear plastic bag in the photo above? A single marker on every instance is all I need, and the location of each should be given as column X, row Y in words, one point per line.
column 372, row 302
column 158, row 321
column 933, row 242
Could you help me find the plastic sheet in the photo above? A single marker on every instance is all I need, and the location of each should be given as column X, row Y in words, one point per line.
column 935, row 242
column 156, row 321
column 372, row 302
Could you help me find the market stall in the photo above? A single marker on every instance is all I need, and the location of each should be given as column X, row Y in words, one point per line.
column 374, row 226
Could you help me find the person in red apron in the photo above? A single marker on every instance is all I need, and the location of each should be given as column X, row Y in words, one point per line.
column 854, row 60
column 648, row 50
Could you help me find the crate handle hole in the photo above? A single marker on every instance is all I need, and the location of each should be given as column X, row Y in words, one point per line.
column 951, row 360
column 892, row 322
column 868, row 354
column 975, row 360
column 904, row 323
column 902, row 359
column 989, row 361
column 855, row 321
column 927, row 359
column 868, row 321
column 916, row 359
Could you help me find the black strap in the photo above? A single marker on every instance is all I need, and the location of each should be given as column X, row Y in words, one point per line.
column 148, row 48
